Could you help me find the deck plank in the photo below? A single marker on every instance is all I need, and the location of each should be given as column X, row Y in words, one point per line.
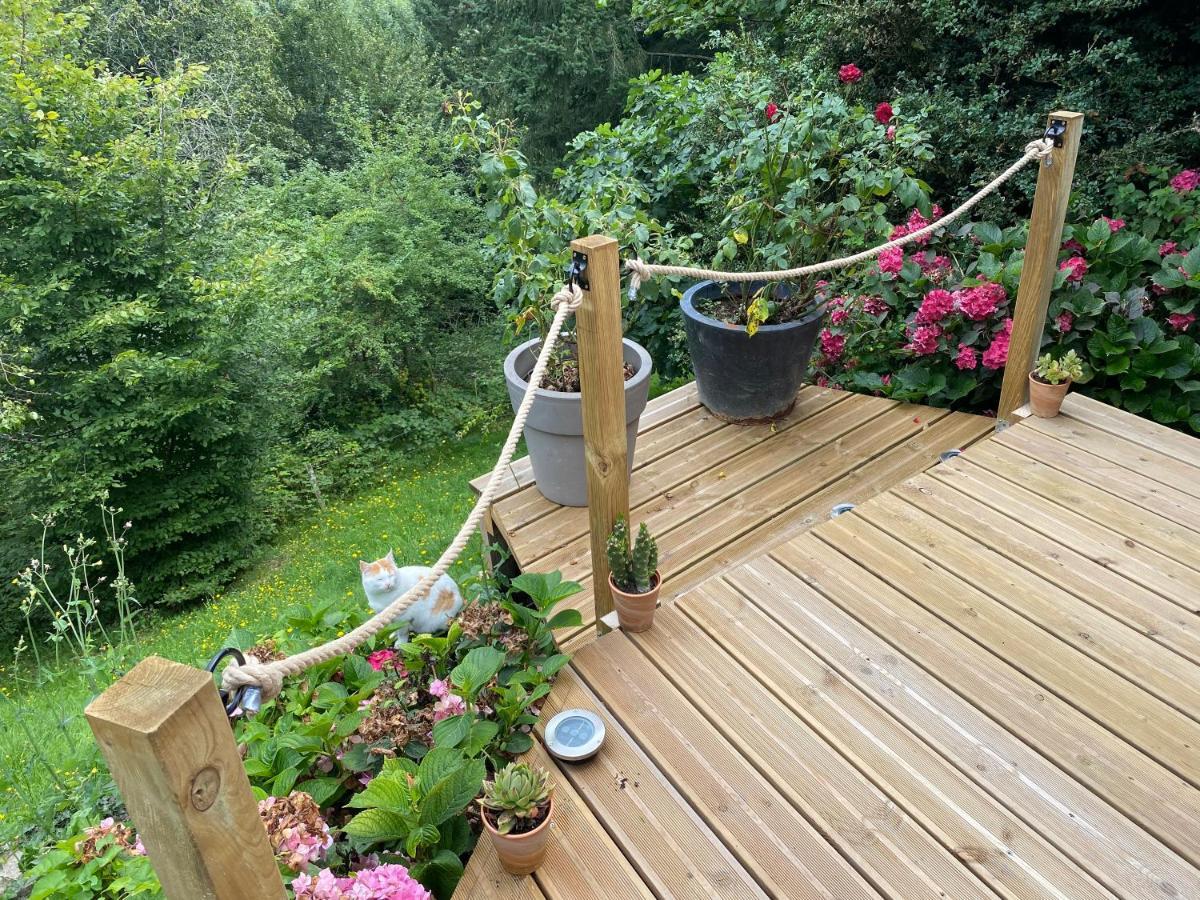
column 822, row 608
column 1102, row 545
column 1158, row 800
column 1100, row 586
column 973, row 825
column 1118, row 648
column 787, row 855
column 1149, row 434
column 866, row 825
column 668, row 844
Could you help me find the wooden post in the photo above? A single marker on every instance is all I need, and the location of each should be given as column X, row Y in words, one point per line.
column 1041, row 261
column 602, row 382
column 168, row 744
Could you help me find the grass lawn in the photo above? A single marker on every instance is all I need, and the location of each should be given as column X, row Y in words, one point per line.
column 49, row 766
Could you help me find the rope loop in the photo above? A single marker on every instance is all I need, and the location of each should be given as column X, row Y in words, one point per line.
column 570, row 296
column 1042, row 148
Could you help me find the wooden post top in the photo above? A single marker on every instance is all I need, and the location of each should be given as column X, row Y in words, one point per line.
column 148, row 694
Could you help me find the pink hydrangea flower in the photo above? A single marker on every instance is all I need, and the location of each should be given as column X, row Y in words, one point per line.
column 380, row 659
column 832, row 345
column 981, row 301
column 850, row 73
column 887, row 379
column 875, row 306
column 890, row 134
column 883, row 113
column 1185, row 181
column 390, row 881
column 1166, row 248
column 450, row 705
column 1074, row 246
column 934, row 267
column 1114, row 225
column 935, row 307
column 439, row 688
column 924, row 340
column 891, row 261
column 966, row 358
column 839, row 316
column 822, row 381
column 996, row 355
column 1181, row 321
column 1075, row 267
column 1065, row 321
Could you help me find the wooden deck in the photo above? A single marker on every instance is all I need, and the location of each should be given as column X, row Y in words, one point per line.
column 716, row 494
column 981, row 683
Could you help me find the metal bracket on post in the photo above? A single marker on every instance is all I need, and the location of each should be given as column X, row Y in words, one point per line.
column 1055, row 131
column 577, row 274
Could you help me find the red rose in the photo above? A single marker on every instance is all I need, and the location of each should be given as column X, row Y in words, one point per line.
column 850, row 73
column 772, row 112
column 883, row 113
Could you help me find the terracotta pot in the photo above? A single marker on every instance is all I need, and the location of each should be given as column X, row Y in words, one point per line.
column 1045, row 400
column 635, row 612
column 520, row 854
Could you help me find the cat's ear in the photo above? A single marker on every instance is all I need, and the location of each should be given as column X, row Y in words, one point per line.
column 391, row 557
column 363, row 565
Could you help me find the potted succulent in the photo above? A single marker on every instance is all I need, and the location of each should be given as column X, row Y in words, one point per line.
column 516, row 808
column 554, row 430
column 1049, row 382
column 806, row 178
column 633, row 576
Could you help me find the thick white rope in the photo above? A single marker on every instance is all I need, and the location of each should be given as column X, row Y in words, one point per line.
column 269, row 676
column 640, row 271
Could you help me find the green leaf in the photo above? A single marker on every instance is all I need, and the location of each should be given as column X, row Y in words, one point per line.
column 322, row 790
column 384, row 792
column 518, row 743
column 477, row 669
column 482, row 733
column 1098, row 233
column 565, row 618
column 284, row 782
column 545, row 589
column 1191, row 262
column 437, row 764
column 451, row 732
column 376, row 825
column 988, row 233
column 450, row 796
column 420, row 837
column 552, row 664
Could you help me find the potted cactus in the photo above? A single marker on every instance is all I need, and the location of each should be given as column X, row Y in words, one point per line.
column 516, row 809
column 633, row 576
column 1049, row 382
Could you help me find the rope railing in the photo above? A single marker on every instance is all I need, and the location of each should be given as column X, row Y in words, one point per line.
column 268, row 677
column 640, row 271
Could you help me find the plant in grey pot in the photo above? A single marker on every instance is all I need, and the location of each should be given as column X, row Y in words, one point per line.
column 806, row 178
column 554, row 430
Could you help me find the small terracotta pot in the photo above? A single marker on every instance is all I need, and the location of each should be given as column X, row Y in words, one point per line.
column 635, row 612
column 520, row 854
column 1045, row 400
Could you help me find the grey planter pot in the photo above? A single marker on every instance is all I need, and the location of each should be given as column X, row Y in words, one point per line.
column 554, row 430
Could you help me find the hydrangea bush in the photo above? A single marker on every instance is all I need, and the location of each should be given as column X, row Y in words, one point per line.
column 931, row 323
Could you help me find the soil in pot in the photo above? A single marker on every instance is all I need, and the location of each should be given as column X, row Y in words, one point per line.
column 635, row 612
column 742, row 378
column 1046, row 399
column 562, row 374
column 522, row 850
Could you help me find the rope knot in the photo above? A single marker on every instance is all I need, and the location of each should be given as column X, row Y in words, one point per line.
column 1041, row 148
column 638, row 272
column 266, row 678
column 570, row 296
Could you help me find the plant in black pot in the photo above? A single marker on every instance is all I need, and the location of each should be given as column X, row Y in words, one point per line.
column 806, row 179
column 554, row 430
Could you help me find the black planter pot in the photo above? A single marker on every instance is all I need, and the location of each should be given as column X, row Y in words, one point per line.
column 742, row 378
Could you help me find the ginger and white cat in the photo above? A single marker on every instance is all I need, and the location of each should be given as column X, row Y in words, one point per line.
column 384, row 581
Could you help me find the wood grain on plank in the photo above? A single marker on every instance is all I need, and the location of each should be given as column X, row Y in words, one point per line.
column 669, row 845
column 825, row 605
column 1159, row 801
column 1133, row 428
column 784, row 852
column 976, row 827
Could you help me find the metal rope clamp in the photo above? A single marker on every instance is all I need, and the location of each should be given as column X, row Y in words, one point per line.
column 247, row 698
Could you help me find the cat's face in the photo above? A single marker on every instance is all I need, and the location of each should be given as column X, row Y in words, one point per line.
column 381, row 576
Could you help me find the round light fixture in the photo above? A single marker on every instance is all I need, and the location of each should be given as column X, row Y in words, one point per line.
column 574, row 735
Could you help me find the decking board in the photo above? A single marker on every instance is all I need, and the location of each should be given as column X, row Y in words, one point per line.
column 983, row 682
